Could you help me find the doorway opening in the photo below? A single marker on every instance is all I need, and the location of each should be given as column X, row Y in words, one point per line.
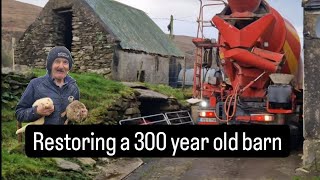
column 65, row 27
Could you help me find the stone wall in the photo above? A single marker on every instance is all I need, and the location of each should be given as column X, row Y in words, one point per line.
column 126, row 66
column 13, row 84
column 311, row 157
column 123, row 108
column 92, row 47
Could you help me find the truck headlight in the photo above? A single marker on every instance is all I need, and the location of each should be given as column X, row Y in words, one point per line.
column 204, row 104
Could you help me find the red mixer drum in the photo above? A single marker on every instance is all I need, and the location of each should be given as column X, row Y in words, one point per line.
column 244, row 5
column 262, row 42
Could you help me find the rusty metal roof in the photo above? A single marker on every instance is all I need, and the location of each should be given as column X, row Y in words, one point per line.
column 134, row 29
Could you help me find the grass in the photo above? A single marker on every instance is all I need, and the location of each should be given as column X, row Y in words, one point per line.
column 16, row 165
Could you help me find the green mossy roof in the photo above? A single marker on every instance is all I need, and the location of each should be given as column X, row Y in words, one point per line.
column 134, row 29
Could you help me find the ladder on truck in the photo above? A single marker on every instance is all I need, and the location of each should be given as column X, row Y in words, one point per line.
column 202, row 44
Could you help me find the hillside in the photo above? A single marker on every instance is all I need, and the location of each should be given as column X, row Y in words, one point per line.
column 184, row 43
column 16, row 17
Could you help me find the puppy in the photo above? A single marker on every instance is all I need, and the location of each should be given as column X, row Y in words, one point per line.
column 76, row 111
column 46, row 103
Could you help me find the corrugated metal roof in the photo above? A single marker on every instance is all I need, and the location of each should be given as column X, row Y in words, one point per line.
column 133, row 28
column 313, row 4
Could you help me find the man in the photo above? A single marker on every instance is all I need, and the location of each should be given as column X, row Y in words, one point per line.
column 56, row 84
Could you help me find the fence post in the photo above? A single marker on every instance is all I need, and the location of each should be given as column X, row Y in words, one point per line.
column 184, row 72
column 12, row 51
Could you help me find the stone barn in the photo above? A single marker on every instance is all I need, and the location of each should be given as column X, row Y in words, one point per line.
column 104, row 36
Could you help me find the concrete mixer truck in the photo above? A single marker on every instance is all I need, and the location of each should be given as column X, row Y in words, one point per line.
column 258, row 69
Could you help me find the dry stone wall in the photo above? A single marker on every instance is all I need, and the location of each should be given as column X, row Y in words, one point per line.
column 92, row 46
column 13, row 85
column 124, row 108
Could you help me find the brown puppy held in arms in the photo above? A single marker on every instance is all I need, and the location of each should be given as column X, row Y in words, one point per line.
column 76, row 111
column 44, row 102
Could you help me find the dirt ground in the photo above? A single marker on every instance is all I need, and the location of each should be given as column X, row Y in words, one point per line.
column 221, row 168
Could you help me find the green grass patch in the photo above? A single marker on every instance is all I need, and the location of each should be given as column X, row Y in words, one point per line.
column 6, row 114
column 18, row 166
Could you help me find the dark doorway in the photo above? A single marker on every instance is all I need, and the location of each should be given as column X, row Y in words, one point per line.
column 65, row 27
column 141, row 76
column 173, row 73
column 151, row 106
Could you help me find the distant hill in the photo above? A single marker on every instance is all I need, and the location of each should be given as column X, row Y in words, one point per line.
column 16, row 17
column 184, row 43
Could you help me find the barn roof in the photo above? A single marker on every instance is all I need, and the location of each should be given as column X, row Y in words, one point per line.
column 312, row 4
column 134, row 29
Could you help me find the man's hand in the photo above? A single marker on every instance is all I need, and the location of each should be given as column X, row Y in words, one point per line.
column 43, row 111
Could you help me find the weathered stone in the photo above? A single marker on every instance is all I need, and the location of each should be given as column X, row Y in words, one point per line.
column 74, row 38
column 311, row 155
column 125, row 104
column 134, row 105
column 100, row 61
column 108, row 56
column 67, row 165
column 113, row 114
column 40, row 64
column 131, row 111
column 87, row 161
column 100, row 71
column 104, row 160
column 301, row 170
column 75, row 31
column 88, row 47
column 118, row 103
column 129, row 97
column 118, row 169
column 49, row 45
column 114, row 108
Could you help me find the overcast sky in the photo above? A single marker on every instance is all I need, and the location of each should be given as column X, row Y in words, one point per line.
column 185, row 13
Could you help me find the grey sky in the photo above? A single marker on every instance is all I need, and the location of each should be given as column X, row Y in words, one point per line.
column 185, row 13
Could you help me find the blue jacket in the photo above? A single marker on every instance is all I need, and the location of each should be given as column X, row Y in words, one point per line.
column 45, row 87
